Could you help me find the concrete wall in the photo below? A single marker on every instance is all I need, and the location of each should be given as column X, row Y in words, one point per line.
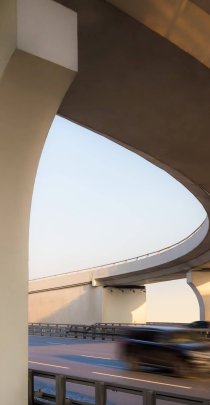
column 66, row 299
column 124, row 305
column 76, row 305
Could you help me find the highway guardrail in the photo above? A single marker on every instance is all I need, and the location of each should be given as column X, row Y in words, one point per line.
column 96, row 331
column 100, row 331
column 101, row 389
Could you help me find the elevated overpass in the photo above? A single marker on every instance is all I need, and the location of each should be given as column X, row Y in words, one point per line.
column 147, row 87
column 157, row 266
column 156, row 103
column 111, row 293
column 143, row 81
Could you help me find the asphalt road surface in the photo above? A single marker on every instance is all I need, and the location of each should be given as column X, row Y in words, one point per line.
column 99, row 360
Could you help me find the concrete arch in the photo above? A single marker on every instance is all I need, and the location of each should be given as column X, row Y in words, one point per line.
column 153, row 103
column 127, row 74
column 31, row 90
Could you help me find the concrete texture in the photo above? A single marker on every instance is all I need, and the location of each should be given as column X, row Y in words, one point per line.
column 199, row 281
column 143, row 92
column 59, row 300
column 31, row 90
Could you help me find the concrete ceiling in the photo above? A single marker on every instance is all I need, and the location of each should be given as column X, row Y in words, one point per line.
column 203, row 4
column 186, row 23
column 139, row 89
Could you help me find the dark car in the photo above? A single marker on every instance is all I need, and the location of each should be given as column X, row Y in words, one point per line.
column 182, row 351
column 201, row 325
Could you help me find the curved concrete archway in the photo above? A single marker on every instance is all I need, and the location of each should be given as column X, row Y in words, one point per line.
column 134, row 87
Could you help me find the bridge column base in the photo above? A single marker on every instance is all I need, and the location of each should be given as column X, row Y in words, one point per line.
column 199, row 281
column 124, row 305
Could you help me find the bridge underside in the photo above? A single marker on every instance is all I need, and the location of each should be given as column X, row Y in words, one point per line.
column 138, row 89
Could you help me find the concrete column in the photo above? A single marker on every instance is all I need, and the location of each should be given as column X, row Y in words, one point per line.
column 124, row 305
column 199, row 281
column 31, row 90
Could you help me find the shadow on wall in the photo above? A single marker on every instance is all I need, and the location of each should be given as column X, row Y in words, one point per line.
column 124, row 304
column 87, row 305
column 77, row 305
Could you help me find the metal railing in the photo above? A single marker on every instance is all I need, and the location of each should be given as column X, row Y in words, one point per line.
column 100, row 331
column 101, row 388
column 96, row 331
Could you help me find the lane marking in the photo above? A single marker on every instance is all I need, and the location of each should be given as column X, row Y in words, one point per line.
column 139, row 379
column 46, row 364
column 95, row 357
column 54, row 343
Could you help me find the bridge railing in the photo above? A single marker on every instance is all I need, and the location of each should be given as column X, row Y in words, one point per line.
column 101, row 389
column 102, row 331
column 96, row 331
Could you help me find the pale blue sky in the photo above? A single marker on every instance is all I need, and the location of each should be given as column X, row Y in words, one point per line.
column 95, row 202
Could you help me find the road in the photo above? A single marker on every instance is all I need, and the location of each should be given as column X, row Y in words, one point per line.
column 99, row 360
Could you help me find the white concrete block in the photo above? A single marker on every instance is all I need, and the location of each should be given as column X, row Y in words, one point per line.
column 48, row 30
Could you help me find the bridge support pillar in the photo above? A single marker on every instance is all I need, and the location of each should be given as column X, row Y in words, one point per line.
column 31, row 90
column 199, row 281
column 124, row 304
column 29, row 98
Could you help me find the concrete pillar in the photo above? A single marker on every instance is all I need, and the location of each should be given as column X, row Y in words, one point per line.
column 199, row 281
column 30, row 92
column 124, row 305
column 31, row 89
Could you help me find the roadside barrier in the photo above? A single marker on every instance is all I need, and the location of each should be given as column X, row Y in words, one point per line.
column 98, row 331
column 101, row 388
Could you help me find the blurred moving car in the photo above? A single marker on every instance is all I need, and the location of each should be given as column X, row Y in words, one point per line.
column 201, row 325
column 179, row 350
